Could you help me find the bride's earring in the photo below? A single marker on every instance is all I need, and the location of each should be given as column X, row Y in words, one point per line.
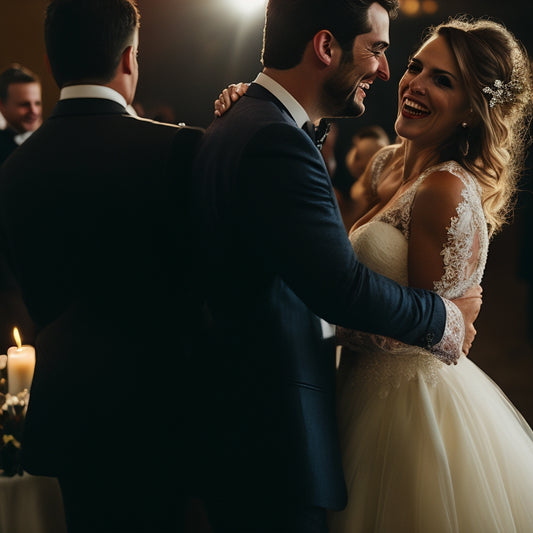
column 464, row 146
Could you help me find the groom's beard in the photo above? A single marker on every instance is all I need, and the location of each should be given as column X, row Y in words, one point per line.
column 339, row 92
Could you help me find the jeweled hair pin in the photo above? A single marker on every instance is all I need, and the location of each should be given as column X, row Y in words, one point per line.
column 502, row 93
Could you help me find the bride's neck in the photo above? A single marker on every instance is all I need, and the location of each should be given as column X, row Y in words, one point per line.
column 416, row 160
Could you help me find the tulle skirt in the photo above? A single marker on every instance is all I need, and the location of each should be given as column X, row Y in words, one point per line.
column 430, row 448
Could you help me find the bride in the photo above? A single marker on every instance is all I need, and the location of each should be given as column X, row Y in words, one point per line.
column 429, row 447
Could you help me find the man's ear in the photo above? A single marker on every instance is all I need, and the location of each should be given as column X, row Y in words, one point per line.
column 127, row 59
column 323, row 45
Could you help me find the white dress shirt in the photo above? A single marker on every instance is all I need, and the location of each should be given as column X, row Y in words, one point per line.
column 92, row 91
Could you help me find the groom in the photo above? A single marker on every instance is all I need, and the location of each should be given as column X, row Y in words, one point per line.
column 92, row 217
column 276, row 258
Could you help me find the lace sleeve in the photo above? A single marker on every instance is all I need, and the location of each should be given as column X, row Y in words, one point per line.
column 465, row 252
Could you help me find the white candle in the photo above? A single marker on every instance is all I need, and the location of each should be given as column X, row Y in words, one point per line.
column 20, row 366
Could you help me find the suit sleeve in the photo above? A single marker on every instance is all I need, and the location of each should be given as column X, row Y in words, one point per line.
column 293, row 219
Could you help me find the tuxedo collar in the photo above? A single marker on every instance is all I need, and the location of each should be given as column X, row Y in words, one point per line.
column 87, row 106
column 259, row 92
column 296, row 110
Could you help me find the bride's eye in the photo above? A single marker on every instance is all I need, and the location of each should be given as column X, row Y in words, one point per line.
column 443, row 81
column 413, row 67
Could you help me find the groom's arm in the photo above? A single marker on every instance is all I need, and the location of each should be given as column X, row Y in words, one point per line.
column 294, row 219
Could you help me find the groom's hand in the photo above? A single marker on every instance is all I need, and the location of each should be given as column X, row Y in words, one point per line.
column 228, row 96
column 469, row 304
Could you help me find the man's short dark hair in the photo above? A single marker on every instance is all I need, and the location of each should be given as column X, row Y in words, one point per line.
column 85, row 39
column 15, row 73
column 291, row 24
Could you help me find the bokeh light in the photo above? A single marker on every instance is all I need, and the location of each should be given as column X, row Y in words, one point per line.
column 430, row 6
column 410, row 7
column 247, row 7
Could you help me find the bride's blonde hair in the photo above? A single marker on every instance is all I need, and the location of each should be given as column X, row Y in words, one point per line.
column 492, row 146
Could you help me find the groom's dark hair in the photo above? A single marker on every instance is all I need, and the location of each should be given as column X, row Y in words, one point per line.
column 85, row 39
column 291, row 24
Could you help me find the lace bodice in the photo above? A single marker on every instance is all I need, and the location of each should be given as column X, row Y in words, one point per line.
column 382, row 244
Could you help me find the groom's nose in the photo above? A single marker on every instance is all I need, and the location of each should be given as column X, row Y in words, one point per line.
column 383, row 68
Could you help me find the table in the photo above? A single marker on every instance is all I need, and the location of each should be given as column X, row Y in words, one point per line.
column 31, row 504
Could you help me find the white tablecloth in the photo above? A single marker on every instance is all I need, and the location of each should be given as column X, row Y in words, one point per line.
column 31, row 504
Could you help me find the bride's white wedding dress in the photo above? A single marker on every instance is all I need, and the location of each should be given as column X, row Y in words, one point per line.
column 427, row 447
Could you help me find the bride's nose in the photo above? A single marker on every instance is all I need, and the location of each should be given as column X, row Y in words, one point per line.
column 416, row 85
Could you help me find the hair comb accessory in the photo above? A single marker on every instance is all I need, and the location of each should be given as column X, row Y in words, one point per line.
column 502, row 93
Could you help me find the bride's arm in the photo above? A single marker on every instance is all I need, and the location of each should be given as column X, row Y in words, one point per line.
column 228, row 96
column 444, row 246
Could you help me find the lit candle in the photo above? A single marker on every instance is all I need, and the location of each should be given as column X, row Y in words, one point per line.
column 20, row 365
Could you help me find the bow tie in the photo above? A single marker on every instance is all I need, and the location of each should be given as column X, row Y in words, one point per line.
column 318, row 134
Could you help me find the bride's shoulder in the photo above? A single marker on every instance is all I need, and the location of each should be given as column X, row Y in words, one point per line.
column 443, row 188
column 450, row 173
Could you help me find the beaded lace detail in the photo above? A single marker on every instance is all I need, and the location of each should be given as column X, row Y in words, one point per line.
column 382, row 245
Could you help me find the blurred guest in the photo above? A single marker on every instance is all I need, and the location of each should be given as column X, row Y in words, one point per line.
column 20, row 104
column 3, row 122
column 365, row 143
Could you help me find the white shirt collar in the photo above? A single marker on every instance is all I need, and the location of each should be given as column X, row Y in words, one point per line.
column 21, row 137
column 298, row 113
column 92, row 91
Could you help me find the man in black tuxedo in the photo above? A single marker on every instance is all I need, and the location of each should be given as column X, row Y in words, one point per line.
column 277, row 258
column 93, row 221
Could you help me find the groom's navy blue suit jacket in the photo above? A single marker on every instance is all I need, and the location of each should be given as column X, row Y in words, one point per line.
column 276, row 258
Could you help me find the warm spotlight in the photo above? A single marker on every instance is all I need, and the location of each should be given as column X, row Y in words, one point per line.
column 247, row 7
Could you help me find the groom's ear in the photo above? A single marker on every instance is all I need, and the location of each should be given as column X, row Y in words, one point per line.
column 324, row 46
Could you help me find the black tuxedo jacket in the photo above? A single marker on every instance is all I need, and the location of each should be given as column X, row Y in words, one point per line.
column 7, row 144
column 277, row 257
column 92, row 220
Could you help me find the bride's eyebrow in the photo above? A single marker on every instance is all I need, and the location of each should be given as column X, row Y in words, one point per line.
column 434, row 70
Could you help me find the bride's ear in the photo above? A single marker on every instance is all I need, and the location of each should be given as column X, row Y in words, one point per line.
column 471, row 118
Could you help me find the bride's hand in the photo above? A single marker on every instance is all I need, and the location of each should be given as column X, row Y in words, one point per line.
column 469, row 304
column 228, row 96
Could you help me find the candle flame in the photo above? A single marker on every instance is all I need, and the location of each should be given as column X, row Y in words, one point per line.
column 16, row 336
